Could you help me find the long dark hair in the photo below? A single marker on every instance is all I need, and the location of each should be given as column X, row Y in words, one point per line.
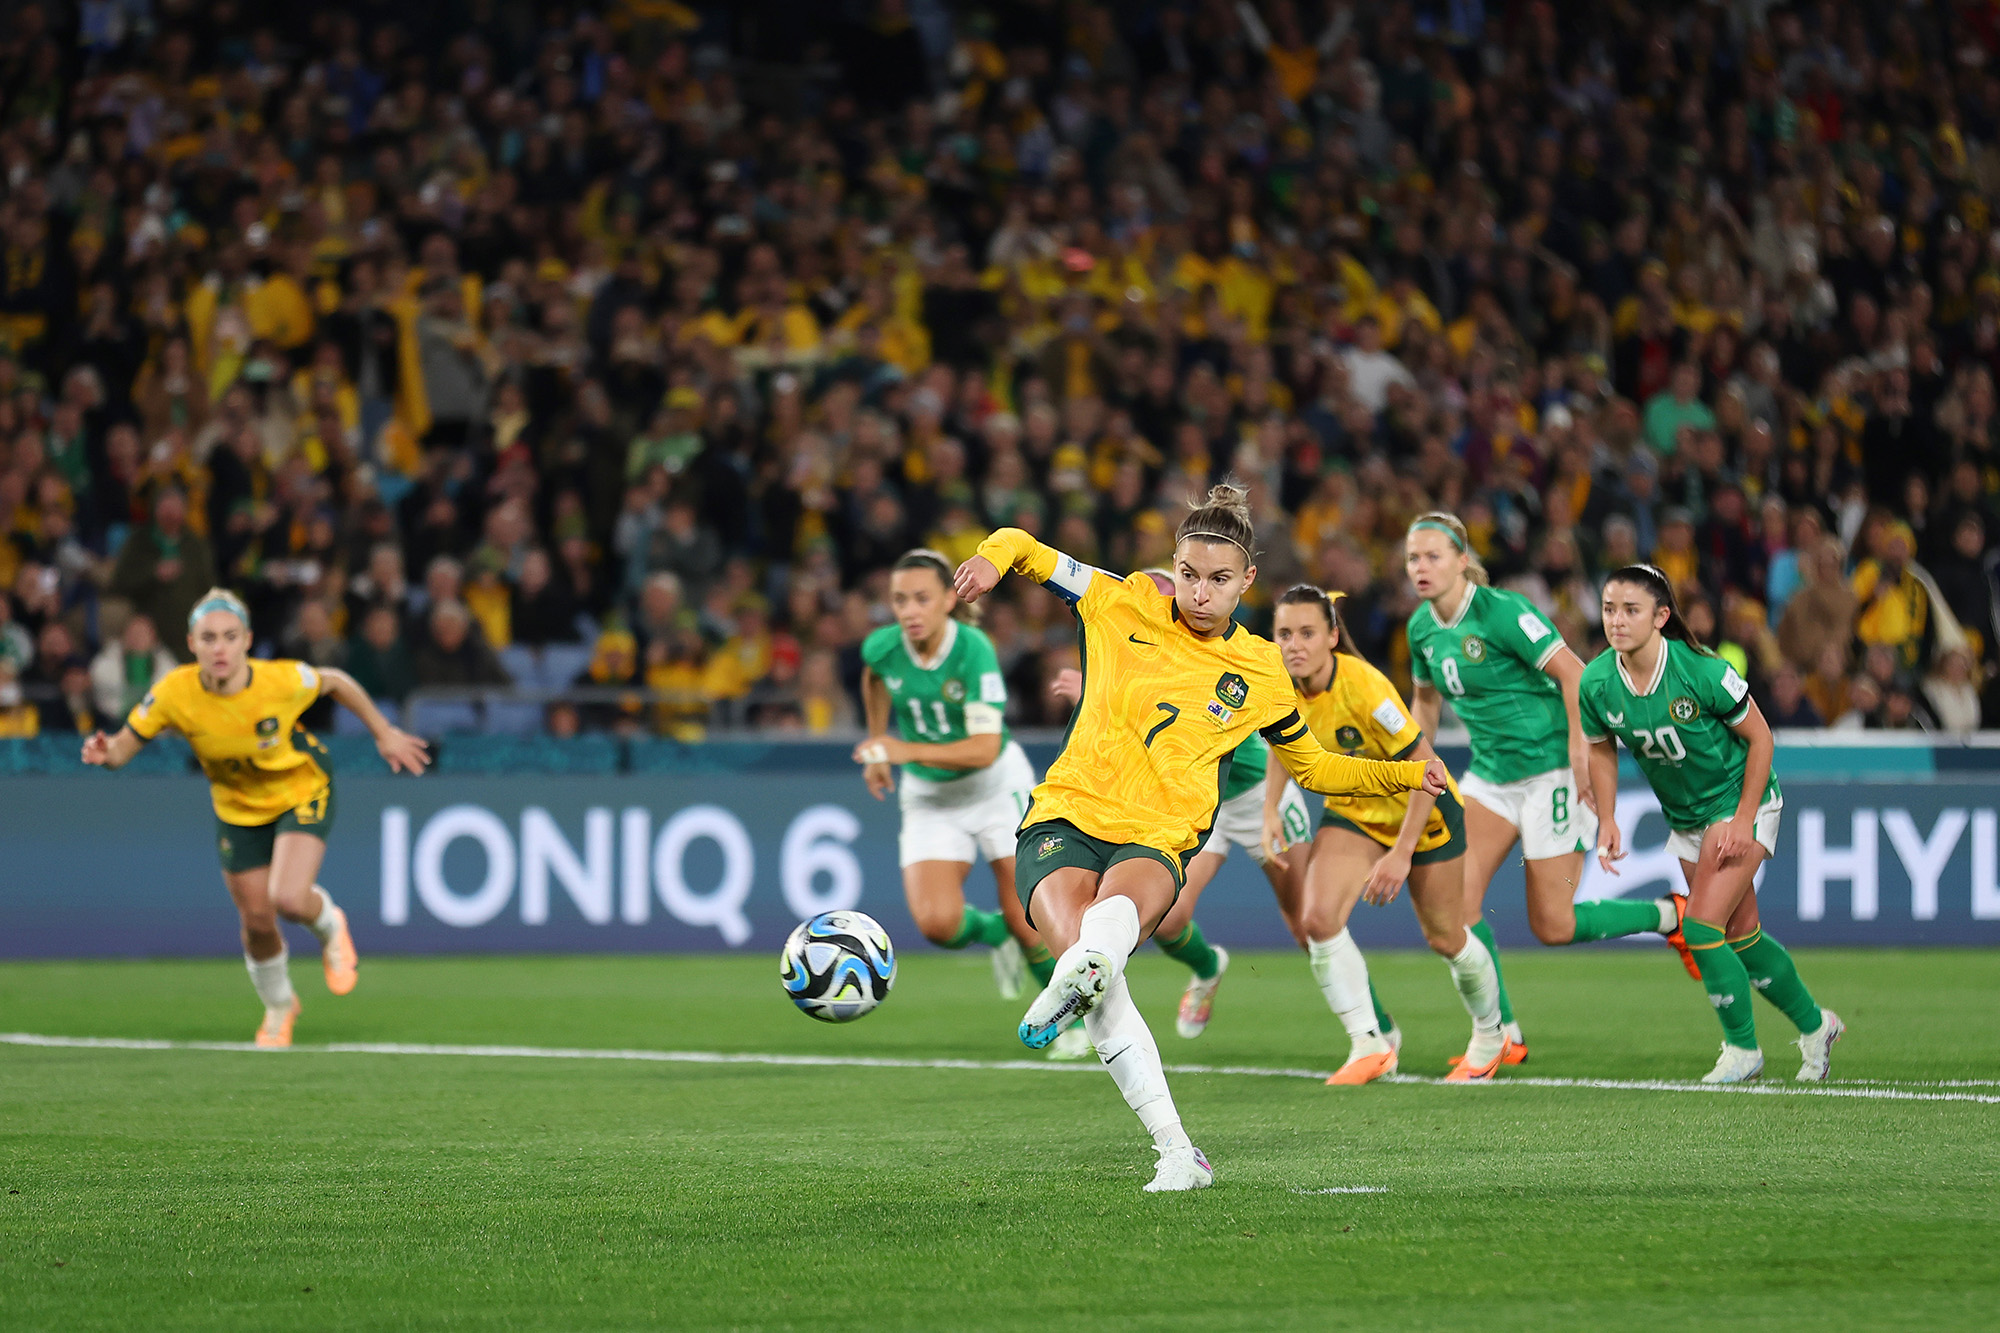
column 925, row 558
column 1328, row 605
column 1662, row 590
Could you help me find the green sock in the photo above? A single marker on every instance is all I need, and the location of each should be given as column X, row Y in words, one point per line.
column 1608, row 918
column 1773, row 975
column 1042, row 963
column 1485, row 934
column 977, row 927
column 1727, row 983
column 1192, row 948
column 1383, row 1023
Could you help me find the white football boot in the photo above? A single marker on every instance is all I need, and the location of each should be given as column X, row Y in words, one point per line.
column 1073, row 992
column 1817, row 1047
column 1198, row 1000
column 1181, row 1169
column 1010, row 969
column 1737, row 1065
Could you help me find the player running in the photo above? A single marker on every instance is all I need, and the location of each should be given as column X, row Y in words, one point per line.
column 1512, row 681
column 1172, row 685
column 1239, row 820
column 1367, row 846
column 934, row 676
column 271, row 787
column 1706, row 751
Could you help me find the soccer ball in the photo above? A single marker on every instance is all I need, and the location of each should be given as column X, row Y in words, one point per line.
column 838, row 966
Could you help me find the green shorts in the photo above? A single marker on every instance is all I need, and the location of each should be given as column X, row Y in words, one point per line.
column 1450, row 849
column 1053, row 844
column 248, row 846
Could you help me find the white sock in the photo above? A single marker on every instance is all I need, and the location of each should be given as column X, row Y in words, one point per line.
column 1669, row 918
column 1478, row 983
column 1342, row 974
column 326, row 922
column 273, row 982
column 1126, row 1046
column 1111, row 928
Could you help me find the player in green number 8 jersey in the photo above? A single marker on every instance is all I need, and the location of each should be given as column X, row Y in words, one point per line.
column 933, row 677
column 1279, row 845
column 1512, row 681
column 1706, row 751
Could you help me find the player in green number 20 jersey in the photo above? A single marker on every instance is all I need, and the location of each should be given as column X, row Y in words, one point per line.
column 936, row 704
column 1512, row 681
column 1239, row 820
column 1706, row 752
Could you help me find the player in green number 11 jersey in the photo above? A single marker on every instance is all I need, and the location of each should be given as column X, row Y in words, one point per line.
column 1705, row 749
column 936, row 704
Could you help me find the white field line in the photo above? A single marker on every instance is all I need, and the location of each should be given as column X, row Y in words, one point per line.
column 1874, row 1090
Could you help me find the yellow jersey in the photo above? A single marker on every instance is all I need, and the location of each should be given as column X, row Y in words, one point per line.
column 257, row 767
column 1359, row 713
column 1163, row 708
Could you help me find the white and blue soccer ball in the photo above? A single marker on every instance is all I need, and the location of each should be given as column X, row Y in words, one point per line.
column 838, row 966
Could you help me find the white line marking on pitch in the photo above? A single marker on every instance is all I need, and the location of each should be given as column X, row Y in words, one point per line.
column 1870, row 1092
column 1347, row 1189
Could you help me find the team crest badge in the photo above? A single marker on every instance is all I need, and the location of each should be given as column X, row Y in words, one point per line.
column 1232, row 689
column 954, row 690
column 267, row 732
column 1474, row 648
column 223, row 845
column 1348, row 738
column 1050, row 846
column 1683, row 709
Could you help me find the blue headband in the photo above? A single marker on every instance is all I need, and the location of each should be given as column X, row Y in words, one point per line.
column 219, row 601
column 1436, row 526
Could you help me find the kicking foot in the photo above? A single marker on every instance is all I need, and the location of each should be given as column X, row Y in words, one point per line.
column 1181, row 1169
column 1198, row 1000
column 276, row 1032
column 1737, row 1065
column 337, row 955
column 1073, row 1044
column 1073, row 992
column 1817, row 1047
column 1010, row 969
column 1366, row 1062
column 1678, row 902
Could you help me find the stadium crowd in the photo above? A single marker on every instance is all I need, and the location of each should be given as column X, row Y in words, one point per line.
column 504, row 341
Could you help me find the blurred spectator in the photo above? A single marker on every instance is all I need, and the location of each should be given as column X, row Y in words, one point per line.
column 1952, row 692
column 544, row 611
column 1821, row 614
column 1894, row 607
column 451, row 654
column 378, row 657
column 18, row 717
column 127, row 666
column 72, row 709
column 1788, row 705
column 164, row 568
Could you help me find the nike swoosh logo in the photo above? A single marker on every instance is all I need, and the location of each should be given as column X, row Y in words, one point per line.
column 1147, row 642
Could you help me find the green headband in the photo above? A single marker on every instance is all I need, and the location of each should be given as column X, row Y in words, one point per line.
column 1436, row 526
column 219, row 602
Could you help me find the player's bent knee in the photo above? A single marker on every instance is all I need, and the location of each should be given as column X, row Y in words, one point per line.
column 1553, row 930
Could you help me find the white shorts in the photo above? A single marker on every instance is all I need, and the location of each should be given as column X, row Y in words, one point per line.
column 1240, row 820
column 1685, row 844
column 1545, row 810
column 963, row 819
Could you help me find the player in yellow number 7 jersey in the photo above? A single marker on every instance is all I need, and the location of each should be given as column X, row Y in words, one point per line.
column 1171, row 686
column 270, row 784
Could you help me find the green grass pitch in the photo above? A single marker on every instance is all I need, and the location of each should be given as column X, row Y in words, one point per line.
column 180, row 1189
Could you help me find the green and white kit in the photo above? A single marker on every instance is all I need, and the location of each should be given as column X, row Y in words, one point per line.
column 1487, row 660
column 950, row 814
column 1677, row 725
column 1239, row 819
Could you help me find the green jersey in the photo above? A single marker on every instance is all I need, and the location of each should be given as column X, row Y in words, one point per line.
column 1247, row 764
column 958, row 693
column 1487, row 660
column 1677, row 727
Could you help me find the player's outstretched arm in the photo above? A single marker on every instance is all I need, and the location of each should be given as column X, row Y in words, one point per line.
column 114, row 752
column 1014, row 551
column 1342, row 775
column 403, row 752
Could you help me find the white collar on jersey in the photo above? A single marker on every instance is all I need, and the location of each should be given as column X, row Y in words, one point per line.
column 1471, row 591
column 1659, row 670
column 945, row 641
